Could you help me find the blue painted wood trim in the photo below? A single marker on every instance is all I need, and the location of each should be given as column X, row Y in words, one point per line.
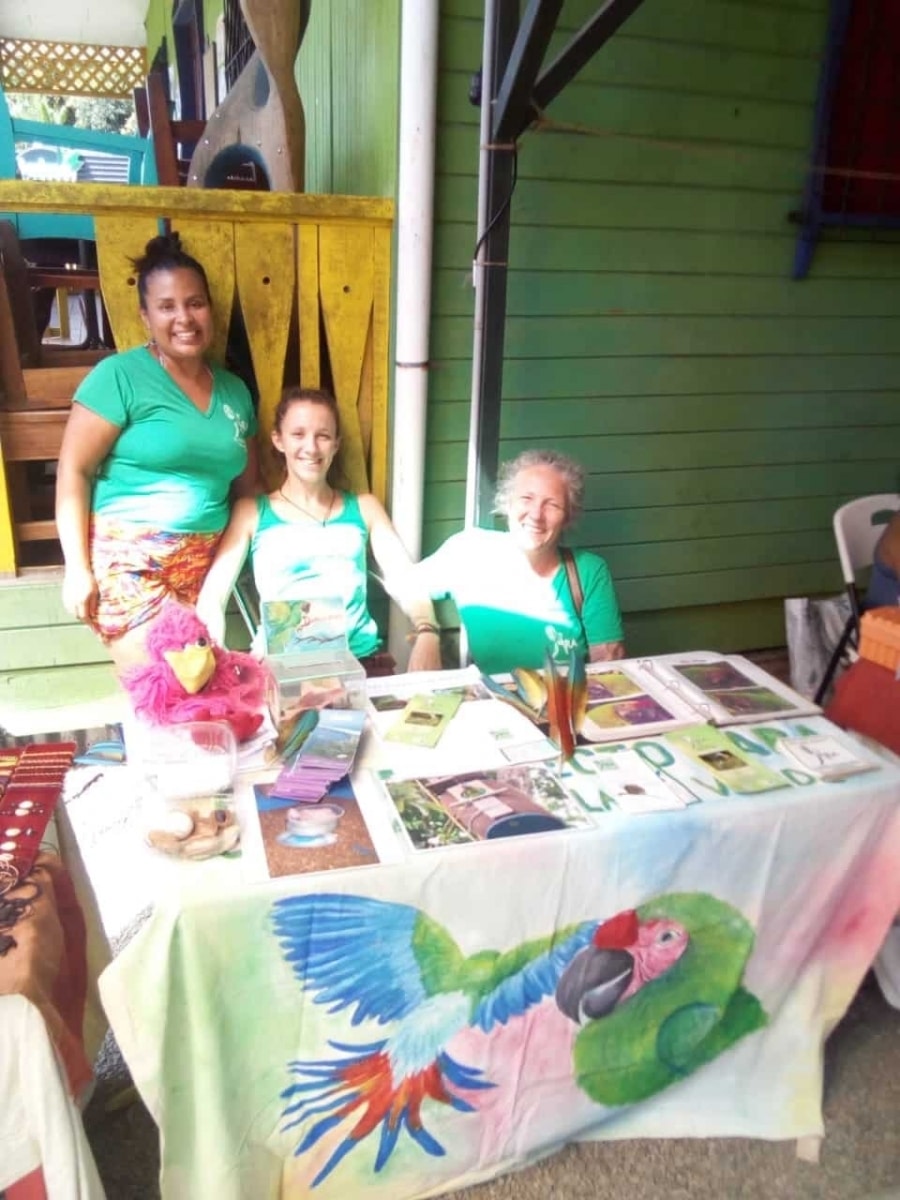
column 811, row 213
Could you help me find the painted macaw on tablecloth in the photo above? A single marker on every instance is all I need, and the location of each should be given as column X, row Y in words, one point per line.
column 655, row 990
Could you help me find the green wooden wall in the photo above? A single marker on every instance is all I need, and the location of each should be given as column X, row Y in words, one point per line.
column 158, row 23
column 722, row 410
column 348, row 74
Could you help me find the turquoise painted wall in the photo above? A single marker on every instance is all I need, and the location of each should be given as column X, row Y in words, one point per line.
column 722, row 410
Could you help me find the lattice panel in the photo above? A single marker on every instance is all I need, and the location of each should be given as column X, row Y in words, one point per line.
column 71, row 68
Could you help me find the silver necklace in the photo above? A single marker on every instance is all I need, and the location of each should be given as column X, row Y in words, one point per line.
column 163, row 361
column 323, row 521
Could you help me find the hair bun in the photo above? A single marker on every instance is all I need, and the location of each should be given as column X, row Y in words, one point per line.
column 163, row 245
column 165, row 253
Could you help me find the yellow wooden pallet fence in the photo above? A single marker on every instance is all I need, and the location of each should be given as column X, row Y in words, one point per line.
column 320, row 261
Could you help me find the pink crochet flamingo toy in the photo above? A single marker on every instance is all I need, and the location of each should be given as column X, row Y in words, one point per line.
column 188, row 678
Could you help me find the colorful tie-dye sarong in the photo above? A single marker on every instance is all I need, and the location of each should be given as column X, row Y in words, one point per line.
column 138, row 569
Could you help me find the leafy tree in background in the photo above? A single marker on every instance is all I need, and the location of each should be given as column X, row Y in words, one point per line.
column 85, row 112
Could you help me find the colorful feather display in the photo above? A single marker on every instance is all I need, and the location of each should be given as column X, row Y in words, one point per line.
column 531, row 688
column 514, row 698
column 292, row 737
column 566, row 701
column 558, row 696
column 578, row 690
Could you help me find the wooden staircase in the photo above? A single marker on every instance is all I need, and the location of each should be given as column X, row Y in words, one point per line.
column 36, row 388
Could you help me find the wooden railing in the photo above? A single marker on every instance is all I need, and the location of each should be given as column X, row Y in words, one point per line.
column 310, row 276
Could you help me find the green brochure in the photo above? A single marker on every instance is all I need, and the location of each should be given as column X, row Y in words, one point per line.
column 713, row 750
column 424, row 719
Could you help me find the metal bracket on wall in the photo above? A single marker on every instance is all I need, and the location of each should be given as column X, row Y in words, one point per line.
column 520, row 91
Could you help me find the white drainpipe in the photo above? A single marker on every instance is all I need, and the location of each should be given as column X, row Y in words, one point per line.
column 487, row 90
column 415, row 228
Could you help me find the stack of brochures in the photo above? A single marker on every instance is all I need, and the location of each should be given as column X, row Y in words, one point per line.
column 326, row 756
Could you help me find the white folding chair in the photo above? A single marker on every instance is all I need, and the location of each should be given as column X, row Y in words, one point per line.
column 246, row 599
column 857, row 527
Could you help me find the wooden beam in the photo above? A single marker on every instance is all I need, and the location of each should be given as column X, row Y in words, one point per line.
column 12, row 388
column 167, row 134
column 110, row 198
column 18, row 298
column 513, row 108
column 31, row 436
column 36, row 531
column 581, row 49
column 54, row 387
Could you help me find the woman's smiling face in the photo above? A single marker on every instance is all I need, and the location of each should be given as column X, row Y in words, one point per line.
column 308, row 439
column 178, row 314
column 538, row 508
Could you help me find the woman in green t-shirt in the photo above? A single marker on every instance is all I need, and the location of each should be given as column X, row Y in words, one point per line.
column 158, row 443
column 518, row 598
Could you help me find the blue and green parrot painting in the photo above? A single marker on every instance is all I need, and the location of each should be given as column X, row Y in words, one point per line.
column 655, row 992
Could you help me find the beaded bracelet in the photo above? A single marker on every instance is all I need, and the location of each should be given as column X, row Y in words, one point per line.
column 423, row 627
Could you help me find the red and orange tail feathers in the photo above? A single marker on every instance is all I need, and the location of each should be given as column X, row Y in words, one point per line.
column 362, row 1084
column 566, row 702
column 578, row 690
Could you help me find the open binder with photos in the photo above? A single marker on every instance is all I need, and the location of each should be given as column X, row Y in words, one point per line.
column 726, row 689
column 635, row 698
column 624, row 700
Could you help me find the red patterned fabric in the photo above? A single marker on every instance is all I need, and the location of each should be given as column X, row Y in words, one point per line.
column 862, row 136
column 138, row 570
column 29, row 1187
column 48, row 964
column 867, row 700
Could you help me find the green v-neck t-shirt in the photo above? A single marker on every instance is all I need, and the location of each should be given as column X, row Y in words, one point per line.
column 172, row 466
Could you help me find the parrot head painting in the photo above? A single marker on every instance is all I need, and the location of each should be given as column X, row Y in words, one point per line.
column 654, row 992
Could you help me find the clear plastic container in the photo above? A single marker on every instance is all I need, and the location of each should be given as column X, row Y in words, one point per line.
column 333, row 680
column 177, row 763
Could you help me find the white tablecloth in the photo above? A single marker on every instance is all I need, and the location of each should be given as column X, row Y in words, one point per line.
column 40, row 1126
column 267, row 1022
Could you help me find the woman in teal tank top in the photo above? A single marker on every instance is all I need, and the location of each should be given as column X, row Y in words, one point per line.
column 309, row 541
